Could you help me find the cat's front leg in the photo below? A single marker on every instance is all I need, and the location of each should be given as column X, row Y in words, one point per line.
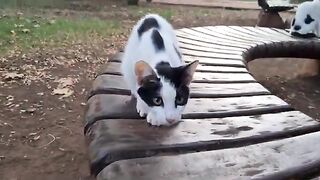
column 142, row 107
column 157, row 119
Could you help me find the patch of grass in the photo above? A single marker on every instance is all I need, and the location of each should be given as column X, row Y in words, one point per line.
column 33, row 3
column 25, row 32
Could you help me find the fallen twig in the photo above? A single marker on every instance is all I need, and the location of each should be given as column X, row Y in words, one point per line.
column 53, row 139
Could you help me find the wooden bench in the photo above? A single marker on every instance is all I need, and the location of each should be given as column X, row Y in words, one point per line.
column 233, row 128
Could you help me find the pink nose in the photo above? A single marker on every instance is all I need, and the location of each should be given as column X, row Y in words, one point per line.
column 171, row 120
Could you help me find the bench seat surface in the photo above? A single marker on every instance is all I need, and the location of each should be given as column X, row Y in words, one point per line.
column 232, row 128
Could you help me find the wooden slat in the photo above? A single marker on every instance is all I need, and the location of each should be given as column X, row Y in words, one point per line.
column 120, row 106
column 210, row 36
column 259, row 35
column 114, row 68
column 114, row 84
column 202, row 60
column 207, row 49
column 214, row 61
column 277, row 34
column 214, row 44
column 200, row 77
column 218, row 34
column 183, row 40
column 240, row 34
column 261, row 32
column 210, row 54
column 188, row 33
column 291, row 156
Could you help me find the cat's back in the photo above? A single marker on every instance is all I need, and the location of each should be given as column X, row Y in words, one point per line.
column 151, row 38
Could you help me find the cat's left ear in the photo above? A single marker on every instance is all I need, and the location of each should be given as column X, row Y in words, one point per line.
column 188, row 72
column 142, row 70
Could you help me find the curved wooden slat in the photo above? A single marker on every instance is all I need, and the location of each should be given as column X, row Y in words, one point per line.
column 207, row 49
column 188, row 33
column 293, row 156
column 183, row 40
column 114, row 84
column 214, row 44
column 108, row 106
column 241, row 34
column 214, row 62
column 221, row 33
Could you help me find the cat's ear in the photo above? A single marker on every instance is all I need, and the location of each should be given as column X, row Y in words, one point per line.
column 142, row 70
column 188, row 72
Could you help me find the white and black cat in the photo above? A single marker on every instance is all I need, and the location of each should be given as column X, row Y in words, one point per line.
column 154, row 71
column 306, row 22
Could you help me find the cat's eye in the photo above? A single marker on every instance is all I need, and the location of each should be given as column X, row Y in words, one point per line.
column 179, row 100
column 293, row 21
column 157, row 101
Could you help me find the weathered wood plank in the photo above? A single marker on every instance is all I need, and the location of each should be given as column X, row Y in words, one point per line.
column 215, row 61
column 188, row 33
column 218, row 34
column 227, row 30
column 262, row 33
column 290, row 155
column 200, row 77
column 277, row 34
column 207, row 49
column 114, row 68
column 114, row 84
column 203, row 60
column 183, row 40
column 204, row 42
column 210, row 54
column 107, row 106
column 255, row 34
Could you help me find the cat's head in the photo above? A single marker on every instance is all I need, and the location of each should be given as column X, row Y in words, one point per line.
column 305, row 22
column 165, row 91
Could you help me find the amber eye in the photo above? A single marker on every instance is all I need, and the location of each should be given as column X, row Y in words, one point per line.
column 157, row 101
column 179, row 100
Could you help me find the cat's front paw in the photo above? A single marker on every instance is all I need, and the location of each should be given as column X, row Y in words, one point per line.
column 142, row 108
column 157, row 120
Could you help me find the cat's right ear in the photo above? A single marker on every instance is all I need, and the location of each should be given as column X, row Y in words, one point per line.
column 142, row 70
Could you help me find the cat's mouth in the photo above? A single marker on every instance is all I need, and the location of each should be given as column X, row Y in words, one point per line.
column 308, row 35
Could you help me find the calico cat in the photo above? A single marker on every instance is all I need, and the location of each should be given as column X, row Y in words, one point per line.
column 154, row 71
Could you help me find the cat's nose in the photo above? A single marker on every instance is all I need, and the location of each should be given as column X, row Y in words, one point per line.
column 297, row 27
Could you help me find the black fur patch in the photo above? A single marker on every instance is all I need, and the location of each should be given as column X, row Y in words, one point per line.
column 157, row 40
column 148, row 24
column 308, row 35
column 150, row 88
column 174, row 75
column 308, row 19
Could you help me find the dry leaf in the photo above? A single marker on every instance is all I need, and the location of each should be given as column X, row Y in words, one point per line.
column 12, row 76
column 25, row 30
column 65, row 92
column 65, row 82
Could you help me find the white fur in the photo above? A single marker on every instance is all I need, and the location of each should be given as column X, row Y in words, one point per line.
column 141, row 48
column 313, row 9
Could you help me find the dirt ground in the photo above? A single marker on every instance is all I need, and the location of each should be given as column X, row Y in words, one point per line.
column 41, row 134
